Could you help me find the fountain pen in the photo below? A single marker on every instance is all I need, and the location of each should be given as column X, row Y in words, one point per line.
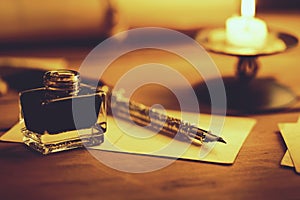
column 145, row 116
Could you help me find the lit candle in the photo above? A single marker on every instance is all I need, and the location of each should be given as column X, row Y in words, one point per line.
column 246, row 30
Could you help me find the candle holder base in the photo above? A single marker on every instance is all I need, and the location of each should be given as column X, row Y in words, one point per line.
column 247, row 97
column 245, row 93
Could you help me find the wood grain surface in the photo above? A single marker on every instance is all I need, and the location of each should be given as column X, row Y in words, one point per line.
column 76, row 174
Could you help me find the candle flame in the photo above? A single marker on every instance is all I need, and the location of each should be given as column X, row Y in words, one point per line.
column 248, row 8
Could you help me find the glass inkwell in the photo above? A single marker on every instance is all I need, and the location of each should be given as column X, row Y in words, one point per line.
column 64, row 114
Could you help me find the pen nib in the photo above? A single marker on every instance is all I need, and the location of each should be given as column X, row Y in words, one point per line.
column 222, row 140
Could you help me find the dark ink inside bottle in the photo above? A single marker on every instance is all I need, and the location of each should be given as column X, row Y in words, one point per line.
column 64, row 114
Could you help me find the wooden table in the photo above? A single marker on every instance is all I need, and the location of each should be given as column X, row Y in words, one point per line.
column 76, row 174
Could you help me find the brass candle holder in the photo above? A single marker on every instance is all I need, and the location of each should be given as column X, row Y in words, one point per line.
column 245, row 93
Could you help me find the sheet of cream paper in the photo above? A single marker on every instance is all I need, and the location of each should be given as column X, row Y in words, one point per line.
column 234, row 131
column 13, row 135
column 287, row 160
column 144, row 141
column 291, row 135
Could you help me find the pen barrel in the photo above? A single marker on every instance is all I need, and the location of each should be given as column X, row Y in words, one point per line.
column 150, row 118
column 154, row 120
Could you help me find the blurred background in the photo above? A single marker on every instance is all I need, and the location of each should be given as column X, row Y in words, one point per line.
column 69, row 21
column 43, row 35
